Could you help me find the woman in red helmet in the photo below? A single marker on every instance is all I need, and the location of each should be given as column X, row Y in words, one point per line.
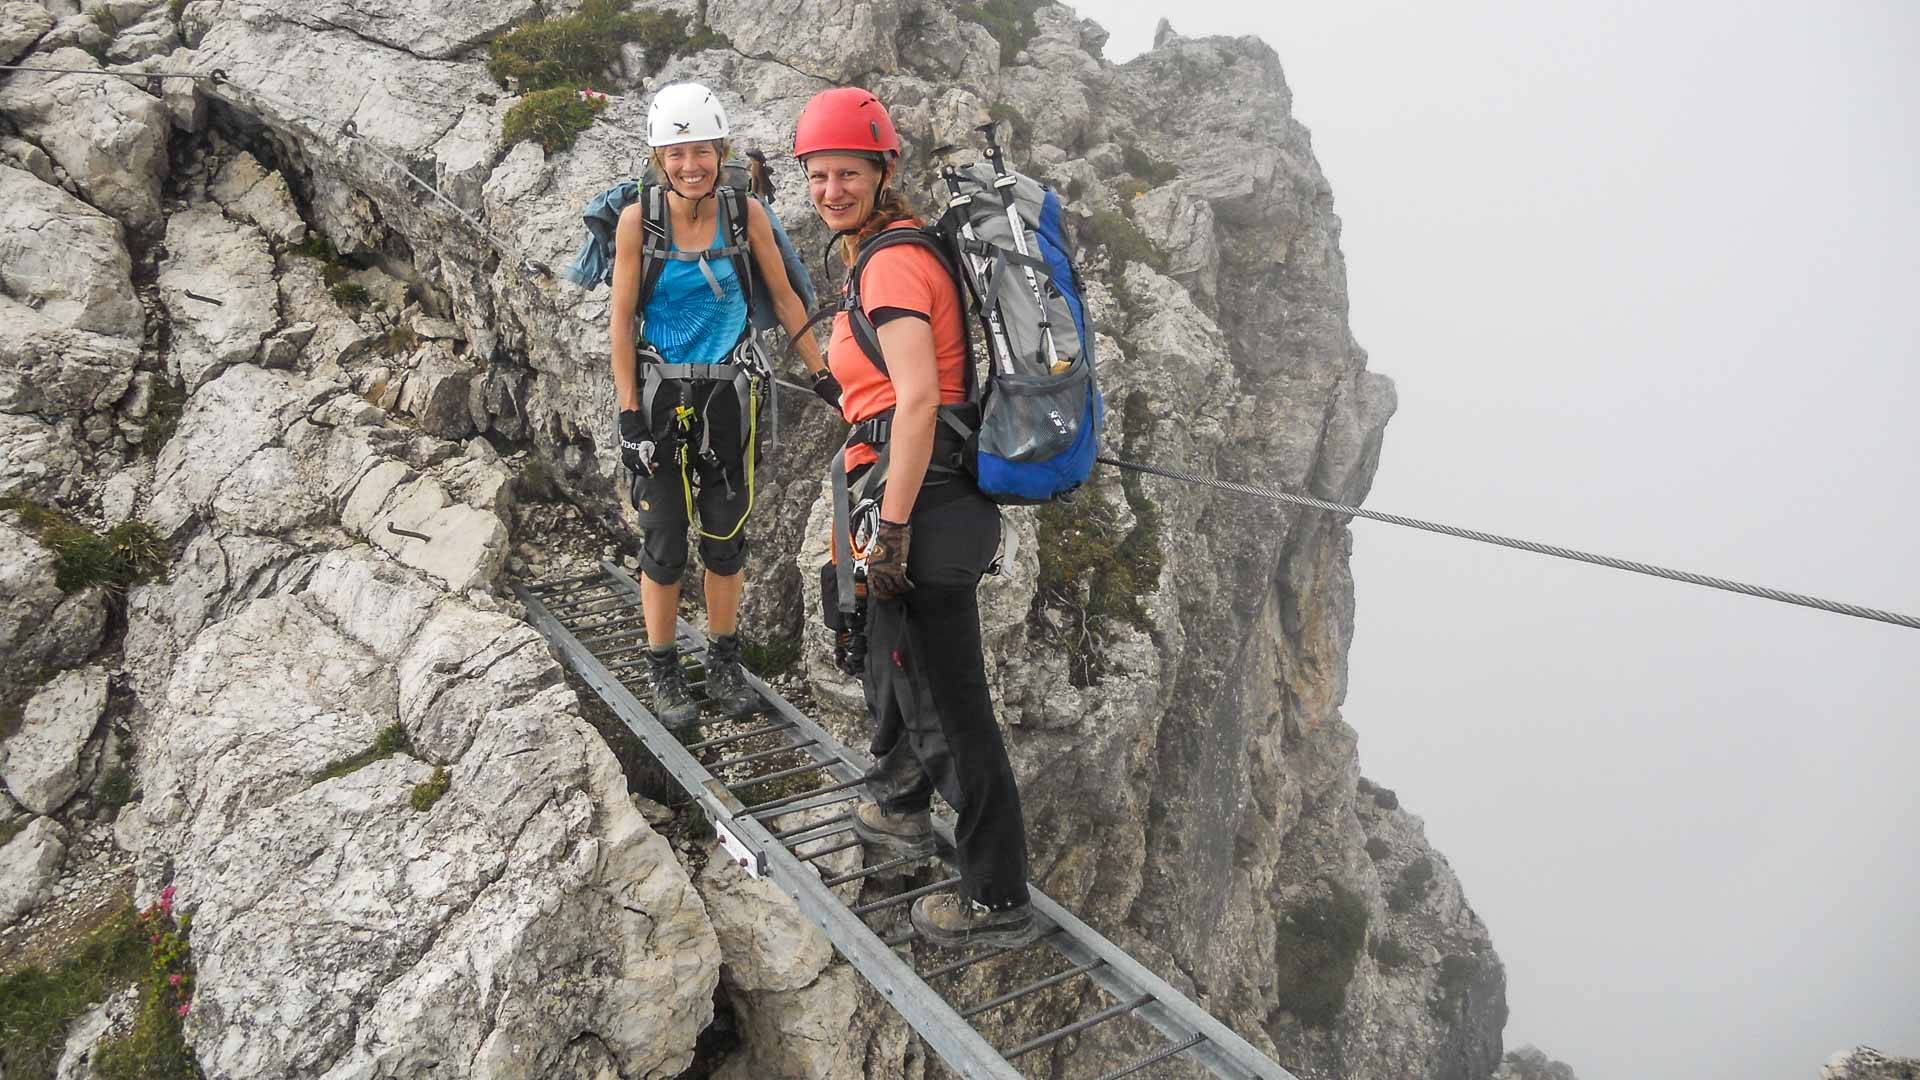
column 899, row 353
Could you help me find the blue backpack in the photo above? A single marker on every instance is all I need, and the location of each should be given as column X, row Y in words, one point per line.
column 1036, row 429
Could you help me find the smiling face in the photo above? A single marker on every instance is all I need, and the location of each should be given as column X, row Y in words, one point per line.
column 843, row 188
column 692, row 168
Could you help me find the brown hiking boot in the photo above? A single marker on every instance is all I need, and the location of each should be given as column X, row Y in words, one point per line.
column 896, row 834
column 951, row 921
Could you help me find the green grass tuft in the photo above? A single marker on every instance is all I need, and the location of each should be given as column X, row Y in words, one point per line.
column 771, row 658
column 349, row 294
column 428, row 792
column 163, row 415
column 156, row 1048
column 391, row 740
column 1316, row 945
column 1009, row 21
column 1389, row 954
column 37, row 1006
column 1415, row 880
column 1123, row 240
column 551, row 118
column 126, row 555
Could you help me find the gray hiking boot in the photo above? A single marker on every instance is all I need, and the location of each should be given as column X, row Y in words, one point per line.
column 951, row 921
column 726, row 687
column 893, row 834
column 673, row 703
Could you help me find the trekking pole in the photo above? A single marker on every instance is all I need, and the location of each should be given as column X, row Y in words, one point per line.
column 973, row 262
column 1005, row 181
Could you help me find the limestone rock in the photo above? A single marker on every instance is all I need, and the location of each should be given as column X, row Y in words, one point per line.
column 53, row 369
column 38, row 458
column 41, row 763
column 834, row 1027
column 252, row 194
column 41, row 628
column 29, row 865
column 226, row 263
column 436, row 392
column 65, row 261
column 530, row 903
column 81, row 32
column 151, row 37
column 114, row 1014
column 21, row 24
column 1866, row 1063
column 1528, row 1063
column 835, row 40
column 107, row 134
column 765, row 943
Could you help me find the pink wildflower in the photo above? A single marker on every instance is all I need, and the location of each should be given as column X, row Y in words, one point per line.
column 156, row 939
column 166, row 893
column 184, row 1006
column 174, row 979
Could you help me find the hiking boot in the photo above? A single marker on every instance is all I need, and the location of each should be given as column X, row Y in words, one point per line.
column 951, row 921
column 893, row 834
column 727, row 687
column 673, row 703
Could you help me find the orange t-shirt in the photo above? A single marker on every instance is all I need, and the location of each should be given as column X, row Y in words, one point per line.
column 912, row 278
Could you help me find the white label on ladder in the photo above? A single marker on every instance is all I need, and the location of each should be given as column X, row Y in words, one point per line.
column 743, row 856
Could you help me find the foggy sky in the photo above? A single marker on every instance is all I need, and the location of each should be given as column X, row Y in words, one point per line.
column 1648, row 279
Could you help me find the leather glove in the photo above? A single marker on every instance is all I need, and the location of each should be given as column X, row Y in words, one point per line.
column 827, row 388
column 887, row 561
column 636, row 443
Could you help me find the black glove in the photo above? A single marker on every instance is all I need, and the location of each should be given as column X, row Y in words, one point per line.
column 887, row 561
column 827, row 388
column 636, row 442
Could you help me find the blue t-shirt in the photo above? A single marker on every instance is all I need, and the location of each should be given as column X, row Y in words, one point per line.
column 685, row 321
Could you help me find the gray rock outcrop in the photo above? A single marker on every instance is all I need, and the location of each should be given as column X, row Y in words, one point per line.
column 29, row 863
column 40, row 763
column 42, row 629
column 1529, row 1063
column 109, row 136
column 1866, row 1063
column 21, row 24
column 1171, row 690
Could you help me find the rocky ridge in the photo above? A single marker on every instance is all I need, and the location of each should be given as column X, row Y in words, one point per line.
column 343, row 488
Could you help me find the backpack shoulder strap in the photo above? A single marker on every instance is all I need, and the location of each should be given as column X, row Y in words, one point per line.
column 865, row 334
column 657, row 230
column 734, row 219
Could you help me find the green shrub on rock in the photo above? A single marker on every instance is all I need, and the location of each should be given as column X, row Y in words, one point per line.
column 1317, row 943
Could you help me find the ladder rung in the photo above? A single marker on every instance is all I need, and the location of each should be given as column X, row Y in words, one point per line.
column 869, row 871
column 901, row 938
column 625, row 630
column 990, row 954
column 782, row 774
column 762, row 755
column 555, row 584
column 1076, row 1027
column 1031, row 988
column 1162, row 1054
column 798, row 829
column 770, row 809
column 823, row 852
column 907, row 897
column 729, row 740
column 580, row 603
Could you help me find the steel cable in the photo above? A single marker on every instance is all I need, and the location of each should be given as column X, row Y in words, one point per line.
column 1686, row 576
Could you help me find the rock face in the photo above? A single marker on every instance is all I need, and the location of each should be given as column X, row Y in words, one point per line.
column 28, row 865
column 1866, row 1063
column 1170, row 675
column 109, row 136
column 40, row 764
column 1528, row 1063
column 41, row 628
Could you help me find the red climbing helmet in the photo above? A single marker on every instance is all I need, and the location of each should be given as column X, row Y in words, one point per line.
column 847, row 119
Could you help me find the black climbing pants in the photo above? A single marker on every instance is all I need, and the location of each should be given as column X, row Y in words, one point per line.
column 926, row 686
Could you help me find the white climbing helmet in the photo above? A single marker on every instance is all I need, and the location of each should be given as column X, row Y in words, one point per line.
column 685, row 112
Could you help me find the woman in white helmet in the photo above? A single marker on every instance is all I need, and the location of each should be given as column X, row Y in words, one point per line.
column 683, row 430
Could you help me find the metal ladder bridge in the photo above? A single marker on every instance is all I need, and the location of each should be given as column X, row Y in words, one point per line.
column 594, row 622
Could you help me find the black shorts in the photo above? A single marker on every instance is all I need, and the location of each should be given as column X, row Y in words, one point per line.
column 719, row 493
